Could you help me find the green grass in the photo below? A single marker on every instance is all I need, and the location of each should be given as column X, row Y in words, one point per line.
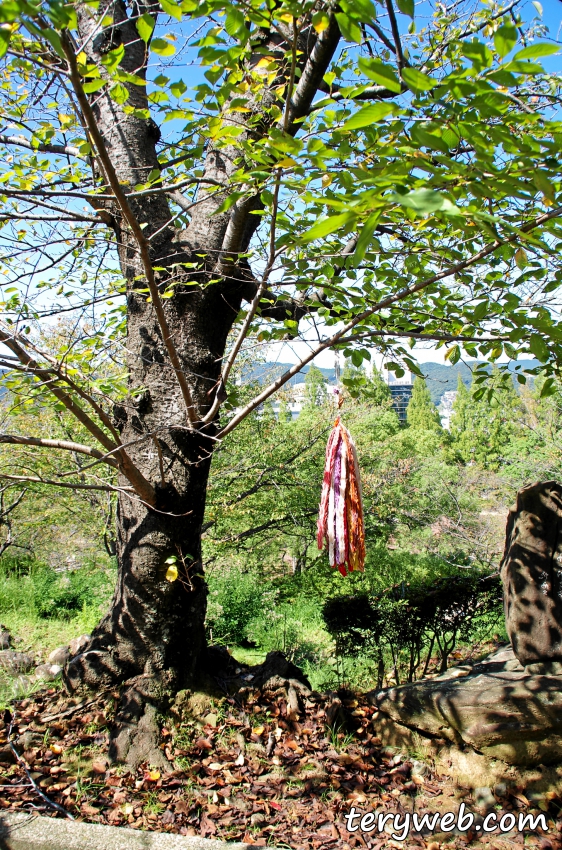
column 44, row 609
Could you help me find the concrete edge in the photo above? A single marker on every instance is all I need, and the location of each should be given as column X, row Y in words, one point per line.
column 26, row 831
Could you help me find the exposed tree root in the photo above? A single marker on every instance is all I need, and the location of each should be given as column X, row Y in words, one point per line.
column 135, row 736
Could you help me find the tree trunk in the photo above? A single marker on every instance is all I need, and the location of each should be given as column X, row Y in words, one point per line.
column 152, row 640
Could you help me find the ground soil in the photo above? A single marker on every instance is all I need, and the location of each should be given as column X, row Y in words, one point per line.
column 245, row 767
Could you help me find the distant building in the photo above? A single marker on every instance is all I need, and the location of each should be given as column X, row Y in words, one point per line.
column 294, row 400
column 400, row 390
column 446, row 408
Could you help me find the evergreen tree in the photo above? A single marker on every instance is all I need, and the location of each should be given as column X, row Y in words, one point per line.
column 483, row 428
column 422, row 413
column 461, row 410
column 315, row 388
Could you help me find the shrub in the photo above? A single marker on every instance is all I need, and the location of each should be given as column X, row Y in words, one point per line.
column 404, row 624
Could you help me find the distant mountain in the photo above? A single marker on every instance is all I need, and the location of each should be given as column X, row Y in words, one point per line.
column 440, row 377
column 270, row 371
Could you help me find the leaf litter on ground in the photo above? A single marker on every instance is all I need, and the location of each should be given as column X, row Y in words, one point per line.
column 246, row 771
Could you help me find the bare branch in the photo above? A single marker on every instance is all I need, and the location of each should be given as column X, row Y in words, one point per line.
column 65, row 445
column 395, row 34
column 143, row 487
column 107, row 488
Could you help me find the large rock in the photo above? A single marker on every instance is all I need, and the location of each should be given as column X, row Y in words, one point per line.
column 497, row 707
column 531, row 571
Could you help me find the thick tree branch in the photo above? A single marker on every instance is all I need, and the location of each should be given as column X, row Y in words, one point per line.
column 22, row 142
column 131, row 220
column 311, row 77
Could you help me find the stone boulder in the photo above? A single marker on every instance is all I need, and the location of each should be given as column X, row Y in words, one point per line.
column 5, row 637
column 47, row 672
column 531, row 572
column 59, row 656
column 15, row 662
column 496, row 707
column 79, row 644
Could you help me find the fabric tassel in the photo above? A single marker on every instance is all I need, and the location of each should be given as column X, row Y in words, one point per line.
column 340, row 518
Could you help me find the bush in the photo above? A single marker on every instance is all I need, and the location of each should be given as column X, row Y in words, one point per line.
column 403, row 625
column 235, row 598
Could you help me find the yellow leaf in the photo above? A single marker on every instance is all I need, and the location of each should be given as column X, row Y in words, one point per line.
column 320, row 22
column 259, row 730
column 172, row 572
column 286, row 162
column 326, row 180
column 265, row 62
column 153, row 775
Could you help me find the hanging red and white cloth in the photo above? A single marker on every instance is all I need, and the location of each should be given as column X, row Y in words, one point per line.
column 340, row 519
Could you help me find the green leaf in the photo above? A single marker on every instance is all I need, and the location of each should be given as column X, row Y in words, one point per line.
column 505, row 39
column 234, row 23
column 521, row 259
column 535, row 51
column 4, row 40
column 453, row 355
column 539, row 348
column 478, row 54
column 320, row 22
column 171, row 8
column 178, row 88
column 349, row 28
column 366, row 235
column 327, row 226
column 418, row 81
column 433, row 141
column 425, row 201
column 480, row 311
column 119, row 93
column 548, row 388
column 145, row 27
column 94, row 85
column 543, row 184
column 381, row 73
column 406, row 7
column 368, row 115
column 162, row 47
column 111, row 60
